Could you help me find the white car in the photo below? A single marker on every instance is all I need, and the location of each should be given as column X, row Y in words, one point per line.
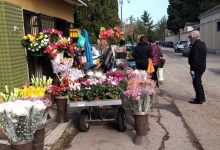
column 180, row 46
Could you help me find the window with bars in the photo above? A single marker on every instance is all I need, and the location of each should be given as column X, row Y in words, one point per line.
column 46, row 22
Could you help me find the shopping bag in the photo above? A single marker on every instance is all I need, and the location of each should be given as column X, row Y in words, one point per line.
column 160, row 74
column 150, row 68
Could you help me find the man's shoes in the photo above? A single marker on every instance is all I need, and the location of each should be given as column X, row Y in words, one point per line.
column 203, row 100
column 195, row 102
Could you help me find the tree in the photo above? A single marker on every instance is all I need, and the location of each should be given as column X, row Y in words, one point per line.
column 160, row 26
column 98, row 13
column 147, row 22
column 182, row 11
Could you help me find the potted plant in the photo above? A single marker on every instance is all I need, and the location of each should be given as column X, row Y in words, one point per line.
column 139, row 95
column 60, row 93
column 36, row 43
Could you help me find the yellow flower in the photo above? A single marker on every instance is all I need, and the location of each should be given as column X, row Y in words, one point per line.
column 102, row 29
column 41, row 33
column 25, row 37
column 29, row 36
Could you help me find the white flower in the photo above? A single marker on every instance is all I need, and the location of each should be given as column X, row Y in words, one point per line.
column 104, row 77
column 26, row 104
column 19, row 110
column 98, row 74
column 8, row 107
column 90, row 73
column 2, row 109
column 39, row 105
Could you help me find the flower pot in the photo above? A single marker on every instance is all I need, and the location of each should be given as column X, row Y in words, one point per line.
column 141, row 127
column 61, row 109
column 75, row 98
column 22, row 145
column 38, row 143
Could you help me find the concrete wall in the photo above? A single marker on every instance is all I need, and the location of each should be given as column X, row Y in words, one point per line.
column 184, row 36
column 173, row 38
column 53, row 8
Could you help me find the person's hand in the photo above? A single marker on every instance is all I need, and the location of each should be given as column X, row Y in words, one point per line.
column 192, row 73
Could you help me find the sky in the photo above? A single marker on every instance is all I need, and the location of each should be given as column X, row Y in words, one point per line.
column 156, row 8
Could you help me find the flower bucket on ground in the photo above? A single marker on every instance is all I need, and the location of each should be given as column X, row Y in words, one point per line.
column 139, row 95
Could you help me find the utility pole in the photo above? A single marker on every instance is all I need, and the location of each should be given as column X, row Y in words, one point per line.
column 121, row 4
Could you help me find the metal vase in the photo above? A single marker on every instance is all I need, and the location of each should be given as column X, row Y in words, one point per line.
column 38, row 143
column 22, row 145
column 61, row 109
column 141, row 128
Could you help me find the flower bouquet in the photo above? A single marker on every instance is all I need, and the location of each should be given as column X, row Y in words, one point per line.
column 140, row 91
column 36, row 43
column 62, row 66
column 113, row 36
column 20, row 119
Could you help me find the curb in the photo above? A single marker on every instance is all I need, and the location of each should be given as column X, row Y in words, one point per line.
column 54, row 136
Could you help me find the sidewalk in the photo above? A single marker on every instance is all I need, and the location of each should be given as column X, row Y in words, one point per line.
column 167, row 130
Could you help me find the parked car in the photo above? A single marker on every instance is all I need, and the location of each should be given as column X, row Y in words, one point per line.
column 169, row 44
column 180, row 46
column 175, row 45
column 187, row 49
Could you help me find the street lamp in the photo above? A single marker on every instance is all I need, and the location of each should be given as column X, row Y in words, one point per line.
column 121, row 3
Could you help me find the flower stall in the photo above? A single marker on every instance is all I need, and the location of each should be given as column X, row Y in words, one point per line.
column 96, row 92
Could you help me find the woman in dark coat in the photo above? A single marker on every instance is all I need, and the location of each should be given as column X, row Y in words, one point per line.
column 141, row 54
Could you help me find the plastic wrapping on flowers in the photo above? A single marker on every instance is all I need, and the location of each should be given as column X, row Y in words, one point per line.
column 65, row 65
column 140, row 91
column 20, row 119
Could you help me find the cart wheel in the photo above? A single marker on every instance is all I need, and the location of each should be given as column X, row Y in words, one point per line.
column 83, row 124
column 120, row 118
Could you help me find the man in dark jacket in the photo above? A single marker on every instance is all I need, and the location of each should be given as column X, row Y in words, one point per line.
column 141, row 54
column 197, row 62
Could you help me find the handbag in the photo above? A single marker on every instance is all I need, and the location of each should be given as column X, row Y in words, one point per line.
column 150, row 68
column 162, row 62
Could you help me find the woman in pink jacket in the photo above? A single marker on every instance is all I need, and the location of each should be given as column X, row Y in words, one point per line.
column 156, row 57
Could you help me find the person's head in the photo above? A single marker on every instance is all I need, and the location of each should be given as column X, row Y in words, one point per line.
column 194, row 35
column 143, row 39
column 151, row 39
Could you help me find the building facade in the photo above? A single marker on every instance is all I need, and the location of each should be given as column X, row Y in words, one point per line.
column 210, row 28
column 20, row 17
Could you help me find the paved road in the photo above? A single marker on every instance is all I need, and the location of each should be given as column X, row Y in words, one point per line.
column 203, row 120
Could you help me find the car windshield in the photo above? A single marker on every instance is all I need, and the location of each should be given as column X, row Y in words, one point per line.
column 183, row 43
